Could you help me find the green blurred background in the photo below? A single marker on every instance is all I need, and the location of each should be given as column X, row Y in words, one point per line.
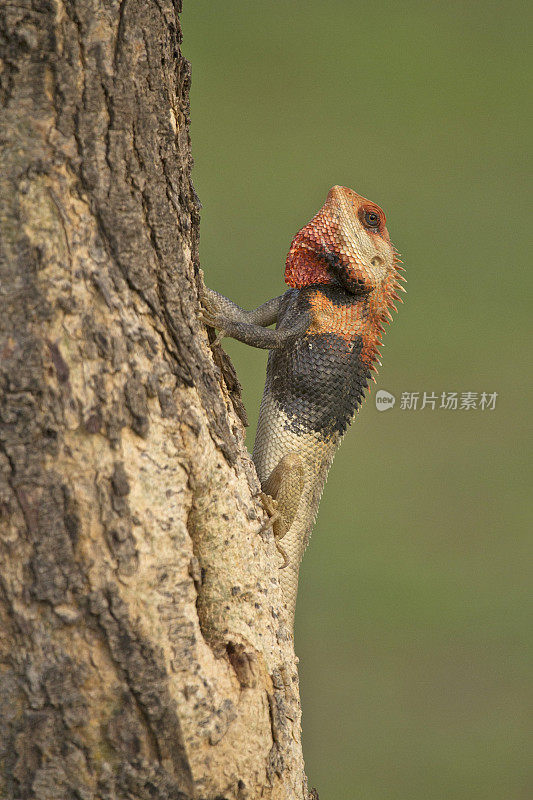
column 413, row 627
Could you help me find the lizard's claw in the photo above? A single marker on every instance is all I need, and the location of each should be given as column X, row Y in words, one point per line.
column 209, row 318
column 271, row 510
column 209, row 313
column 274, row 516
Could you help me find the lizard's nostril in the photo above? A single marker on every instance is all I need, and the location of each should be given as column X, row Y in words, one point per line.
column 376, row 261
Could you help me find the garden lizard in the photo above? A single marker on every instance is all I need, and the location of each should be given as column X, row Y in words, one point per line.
column 344, row 275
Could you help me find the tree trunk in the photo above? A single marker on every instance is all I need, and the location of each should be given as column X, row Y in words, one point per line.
column 143, row 649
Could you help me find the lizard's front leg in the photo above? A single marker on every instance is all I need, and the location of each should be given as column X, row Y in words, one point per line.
column 218, row 310
column 249, row 326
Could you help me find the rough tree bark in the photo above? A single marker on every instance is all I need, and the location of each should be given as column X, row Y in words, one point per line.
column 143, row 652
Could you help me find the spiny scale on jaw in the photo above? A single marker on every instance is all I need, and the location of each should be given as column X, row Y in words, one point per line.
column 335, row 248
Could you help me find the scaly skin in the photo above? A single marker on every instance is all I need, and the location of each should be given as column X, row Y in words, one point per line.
column 344, row 275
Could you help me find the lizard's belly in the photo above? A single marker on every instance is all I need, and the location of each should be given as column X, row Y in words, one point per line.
column 318, row 383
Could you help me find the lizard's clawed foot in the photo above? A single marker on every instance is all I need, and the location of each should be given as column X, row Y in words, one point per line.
column 209, row 310
column 274, row 517
column 270, row 507
column 209, row 315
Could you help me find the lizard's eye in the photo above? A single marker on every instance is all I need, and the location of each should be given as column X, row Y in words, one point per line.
column 372, row 219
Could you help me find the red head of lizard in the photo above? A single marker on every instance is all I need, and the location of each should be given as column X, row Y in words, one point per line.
column 347, row 244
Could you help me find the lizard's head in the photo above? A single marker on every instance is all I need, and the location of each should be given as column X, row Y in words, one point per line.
column 346, row 243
